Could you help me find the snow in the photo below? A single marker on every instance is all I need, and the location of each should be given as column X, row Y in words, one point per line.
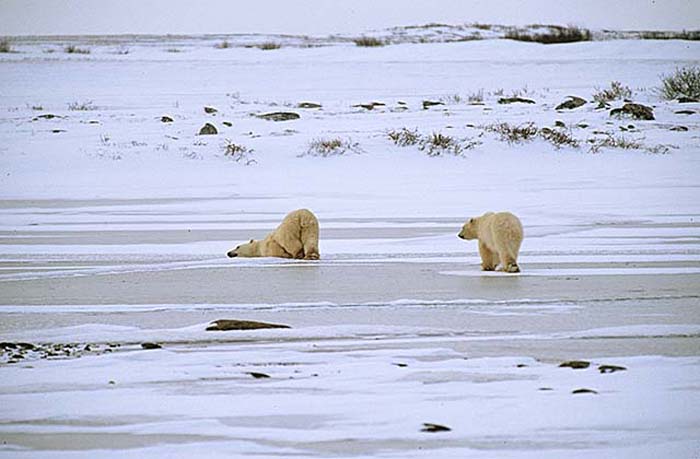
column 119, row 193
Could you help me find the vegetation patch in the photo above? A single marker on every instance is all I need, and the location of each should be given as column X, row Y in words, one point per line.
column 434, row 144
column 269, row 45
column 238, row 153
column 6, row 46
column 331, row 147
column 368, row 42
column 683, row 83
column 615, row 91
column 82, row 106
column 514, row 134
column 553, row 34
column 72, row 49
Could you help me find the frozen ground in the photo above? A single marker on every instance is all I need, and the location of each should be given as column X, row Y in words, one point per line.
column 114, row 226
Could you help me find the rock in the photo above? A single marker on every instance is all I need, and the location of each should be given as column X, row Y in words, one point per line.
column 521, row 365
column 208, row 129
column 679, row 128
column 602, row 106
column 227, row 123
column 279, row 116
column 514, row 100
column 687, row 100
column 308, row 105
column 559, row 124
column 572, row 103
column 151, row 346
column 637, row 111
column 583, row 391
column 166, row 119
column 575, row 364
column 429, row 427
column 610, row 368
column 57, row 131
column 684, row 112
column 401, row 365
column 545, row 388
column 210, row 110
column 401, row 102
column 370, row 105
column 582, row 125
column 431, row 103
column 232, row 324
column 47, row 116
column 257, row 375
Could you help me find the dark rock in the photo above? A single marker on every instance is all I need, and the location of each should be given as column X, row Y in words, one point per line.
column 166, row 119
column 687, row 100
column 370, row 105
column 431, row 103
column 429, row 427
column 5, row 345
column 582, row 125
column 308, row 105
column 583, row 391
column 521, row 365
column 514, row 100
column 401, row 102
column 684, row 112
column 559, row 123
column 257, row 375
column 572, row 103
column 227, row 123
column 58, row 131
column 679, row 128
column 208, row 129
column 151, row 346
column 610, row 368
column 545, row 388
column 401, row 365
column 575, row 364
column 210, row 110
column 47, row 116
column 279, row 116
column 637, row 111
column 231, row 324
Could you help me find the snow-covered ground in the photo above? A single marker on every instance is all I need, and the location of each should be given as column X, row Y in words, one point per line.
column 114, row 226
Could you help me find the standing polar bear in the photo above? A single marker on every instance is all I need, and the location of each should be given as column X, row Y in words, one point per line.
column 295, row 237
column 500, row 235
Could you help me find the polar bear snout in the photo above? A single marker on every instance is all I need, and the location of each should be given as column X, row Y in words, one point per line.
column 231, row 253
column 460, row 235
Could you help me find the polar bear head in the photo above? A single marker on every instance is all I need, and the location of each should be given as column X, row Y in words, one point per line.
column 249, row 249
column 469, row 229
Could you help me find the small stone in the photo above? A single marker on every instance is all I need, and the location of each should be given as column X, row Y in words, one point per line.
column 582, row 125
column 166, row 119
column 572, row 103
column 58, row 131
column 151, row 346
column 111, row 382
column 687, row 100
column 679, row 128
column 210, row 110
column 257, row 375
column 48, row 116
column 521, row 365
column 514, row 100
column 227, row 123
column 559, row 123
column 208, row 129
column 637, row 111
column 430, row 427
column 583, row 391
column 684, row 112
column 279, row 116
column 308, row 105
column 232, row 324
column 545, row 388
column 610, row 368
column 401, row 365
column 575, row 364
column 431, row 103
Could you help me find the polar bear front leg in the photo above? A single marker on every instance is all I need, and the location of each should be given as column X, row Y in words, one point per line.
column 489, row 259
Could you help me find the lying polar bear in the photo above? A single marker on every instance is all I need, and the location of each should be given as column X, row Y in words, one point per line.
column 295, row 237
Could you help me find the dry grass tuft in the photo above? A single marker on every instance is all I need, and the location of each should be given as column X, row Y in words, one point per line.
column 684, row 82
column 616, row 91
column 368, row 42
column 331, row 147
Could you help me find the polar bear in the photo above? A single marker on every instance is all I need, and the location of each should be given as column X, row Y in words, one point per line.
column 295, row 237
column 500, row 235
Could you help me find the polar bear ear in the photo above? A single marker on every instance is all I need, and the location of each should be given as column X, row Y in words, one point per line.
column 251, row 241
column 471, row 220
